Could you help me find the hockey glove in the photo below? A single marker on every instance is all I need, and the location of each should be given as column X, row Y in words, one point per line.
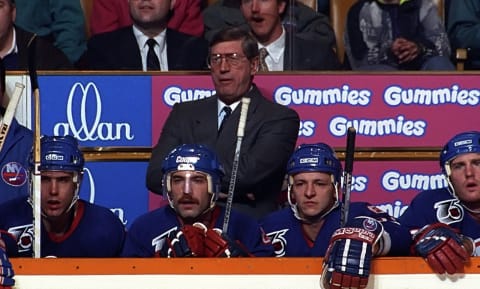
column 347, row 261
column 442, row 248
column 220, row 245
column 186, row 242
column 6, row 271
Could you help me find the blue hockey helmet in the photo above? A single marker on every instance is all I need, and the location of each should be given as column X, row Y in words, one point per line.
column 318, row 157
column 193, row 157
column 462, row 143
column 60, row 153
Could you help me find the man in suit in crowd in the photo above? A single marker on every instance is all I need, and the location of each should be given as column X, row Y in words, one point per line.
column 296, row 38
column 14, row 43
column 147, row 44
column 270, row 133
column 285, row 49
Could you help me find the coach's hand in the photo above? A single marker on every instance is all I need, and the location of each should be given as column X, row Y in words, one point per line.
column 442, row 248
column 347, row 261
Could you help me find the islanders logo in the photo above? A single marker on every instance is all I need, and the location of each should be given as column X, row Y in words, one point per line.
column 14, row 174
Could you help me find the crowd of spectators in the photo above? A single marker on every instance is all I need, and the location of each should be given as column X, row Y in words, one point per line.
column 409, row 47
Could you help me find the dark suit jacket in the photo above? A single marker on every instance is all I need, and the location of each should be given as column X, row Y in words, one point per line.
column 118, row 50
column 308, row 53
column 48, row 57
column 270, row 135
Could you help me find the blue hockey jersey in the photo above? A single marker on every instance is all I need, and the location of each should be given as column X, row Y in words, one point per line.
column 148, row 233
column 433, row 206
column 14, row 162
column 95, row 232
column 288, row 238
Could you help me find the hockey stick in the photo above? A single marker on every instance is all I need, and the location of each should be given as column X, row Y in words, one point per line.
column 6, row 121
column 347, row 175
column 10, row 113
column 36, row 182
column 236, row 159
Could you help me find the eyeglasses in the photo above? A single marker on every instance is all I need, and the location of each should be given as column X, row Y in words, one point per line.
column 233, row 59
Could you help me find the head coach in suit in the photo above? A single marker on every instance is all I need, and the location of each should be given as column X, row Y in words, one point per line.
column 270, row 134
column 133, row 47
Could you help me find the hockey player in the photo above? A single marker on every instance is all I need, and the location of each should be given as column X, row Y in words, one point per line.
column 445, row 220
column 13, row 154
column 70, row 227
column 191, row 225
column 311, row 226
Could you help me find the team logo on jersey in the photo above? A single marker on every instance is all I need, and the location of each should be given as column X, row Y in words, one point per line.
column 449, row 211
column 24, row 236
column 14, row 174
column 160, row 240
column 279, row 241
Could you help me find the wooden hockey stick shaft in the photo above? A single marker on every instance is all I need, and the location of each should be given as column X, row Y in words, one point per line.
column 347, row 175
column 10, row 113
column 36, row 182
column 236, row 159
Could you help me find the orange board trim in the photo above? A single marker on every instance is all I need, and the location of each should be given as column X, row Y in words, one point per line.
column 201, row 266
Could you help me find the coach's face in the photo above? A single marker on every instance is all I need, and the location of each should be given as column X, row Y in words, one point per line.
column 189, row 194
column 465, row 178
column 313, row 193
column 232, row 72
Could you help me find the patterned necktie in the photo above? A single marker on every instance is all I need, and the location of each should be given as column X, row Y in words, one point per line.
column 152, row 60
column 227, row 112
column 263, row 65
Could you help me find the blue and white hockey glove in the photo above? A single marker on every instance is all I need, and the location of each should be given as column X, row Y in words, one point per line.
column 442, row 247
column 218, row 244
column 6, row 271
column 185, row 242
column 347, row 261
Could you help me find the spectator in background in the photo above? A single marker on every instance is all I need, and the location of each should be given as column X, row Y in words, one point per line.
column 60, row 21
column 109, row 15
column 303, row 20
column 270, row 133
column 192, row 224
column 279, row 49
column 13, row 155
column 147, row 44
column 311, row 226
column 14, row 42
column 446, row 221
column 396, row 35
column 464, row 29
